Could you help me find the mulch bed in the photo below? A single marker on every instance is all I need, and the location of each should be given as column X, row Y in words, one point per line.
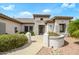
column 71, row 47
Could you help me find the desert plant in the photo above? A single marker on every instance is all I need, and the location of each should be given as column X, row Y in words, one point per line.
column 22, row 32
column 12, row 41
column 52, row 34
column 73, row 26
column 32, row 33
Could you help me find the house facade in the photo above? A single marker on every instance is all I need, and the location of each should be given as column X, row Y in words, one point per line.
column 39, row 24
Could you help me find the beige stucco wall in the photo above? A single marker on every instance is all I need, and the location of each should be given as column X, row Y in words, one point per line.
column 50, row 27
column 39, row 22
column 22, row 26
column 44, row 18
column 10, row 25
column 56, row 25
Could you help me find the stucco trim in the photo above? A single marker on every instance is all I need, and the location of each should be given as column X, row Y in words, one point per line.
column 41, row 15
column 63, row 17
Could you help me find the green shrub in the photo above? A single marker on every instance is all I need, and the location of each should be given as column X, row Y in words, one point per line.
column 53, row 34
column 32, row 33
column 76, row 34
column 12, row 41
column 73, row 26
column 21, row 32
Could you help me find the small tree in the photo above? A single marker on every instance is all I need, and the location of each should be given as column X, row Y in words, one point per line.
column 73, row 26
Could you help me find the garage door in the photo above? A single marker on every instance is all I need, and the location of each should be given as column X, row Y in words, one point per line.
column 2, row 28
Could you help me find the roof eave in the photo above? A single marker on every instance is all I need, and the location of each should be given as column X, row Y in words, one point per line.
column 43, row 15
column 8, row 18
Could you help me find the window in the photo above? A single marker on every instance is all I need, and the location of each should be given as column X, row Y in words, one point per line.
column 16, row 30
column 50, row 26
column 41, row 18
column 62, row 27
column 26, row 28
column 30, row 28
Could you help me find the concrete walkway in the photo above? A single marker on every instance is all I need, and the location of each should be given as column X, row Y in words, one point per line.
column 32, row 49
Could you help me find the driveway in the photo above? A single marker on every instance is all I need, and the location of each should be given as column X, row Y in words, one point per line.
column 32, row 49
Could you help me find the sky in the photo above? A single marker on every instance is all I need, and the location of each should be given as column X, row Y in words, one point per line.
column 26, row 10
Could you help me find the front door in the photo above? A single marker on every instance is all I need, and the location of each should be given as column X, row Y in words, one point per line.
column 41, row 29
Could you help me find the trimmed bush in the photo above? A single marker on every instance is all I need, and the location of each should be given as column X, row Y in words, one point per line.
column 76, row 34
column 22, row 32
column 53, row 34
column 12, row 41
column 32, row 33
